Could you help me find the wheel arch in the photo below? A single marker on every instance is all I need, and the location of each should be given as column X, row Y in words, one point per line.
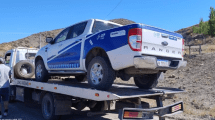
column 96, row 51
column 37, row 59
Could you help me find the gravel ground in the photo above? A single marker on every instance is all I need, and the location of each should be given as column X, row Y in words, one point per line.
column 197, row 79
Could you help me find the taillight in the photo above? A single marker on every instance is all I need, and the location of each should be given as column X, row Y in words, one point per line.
column 182, row 47
column 135, row 39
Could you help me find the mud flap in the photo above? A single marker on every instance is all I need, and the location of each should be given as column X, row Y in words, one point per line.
column 62, row 104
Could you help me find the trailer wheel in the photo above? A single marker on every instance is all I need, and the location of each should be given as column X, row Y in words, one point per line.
column 99, row 107
column 48, row 109
column 147, row 81
column 80, row 78
column 41, row 73
column 24, row 69
column 100, row 74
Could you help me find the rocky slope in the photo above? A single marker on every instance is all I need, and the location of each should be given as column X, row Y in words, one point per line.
column 30, row 41
column 193, row 38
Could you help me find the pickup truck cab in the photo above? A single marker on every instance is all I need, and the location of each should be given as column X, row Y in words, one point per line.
column 102, row 50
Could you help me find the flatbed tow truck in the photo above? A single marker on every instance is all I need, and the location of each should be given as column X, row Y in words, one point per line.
column 57, row 97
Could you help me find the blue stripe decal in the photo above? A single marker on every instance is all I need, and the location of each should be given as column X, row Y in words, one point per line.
column 50, row 57
column 162, row 31
column 68, row 46
column 67, row 59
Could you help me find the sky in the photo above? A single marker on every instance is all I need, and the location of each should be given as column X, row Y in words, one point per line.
column 21, row 18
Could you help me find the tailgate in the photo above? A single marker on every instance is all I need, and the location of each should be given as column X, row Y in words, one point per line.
column 159, row 42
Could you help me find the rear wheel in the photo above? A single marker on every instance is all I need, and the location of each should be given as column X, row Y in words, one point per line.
column 41, row 73
column 100, row 74
column 48, row 109
column 147, row 81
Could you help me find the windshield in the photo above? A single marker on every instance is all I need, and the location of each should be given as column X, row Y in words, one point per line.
column 99, row 26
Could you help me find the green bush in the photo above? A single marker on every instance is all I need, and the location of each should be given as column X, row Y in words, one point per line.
column 202, row 29
column 212, row 22
column 206, row 28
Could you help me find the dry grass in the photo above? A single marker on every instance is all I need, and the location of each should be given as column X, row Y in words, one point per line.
column 205, row 49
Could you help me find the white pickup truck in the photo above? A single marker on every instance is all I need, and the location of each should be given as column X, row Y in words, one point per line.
column 102, row 50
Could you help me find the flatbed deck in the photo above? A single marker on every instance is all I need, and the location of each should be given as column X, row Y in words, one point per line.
column 83, row 90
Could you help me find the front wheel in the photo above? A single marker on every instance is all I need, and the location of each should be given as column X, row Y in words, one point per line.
column 100, row 74
column 41, row 73
column 147, row 81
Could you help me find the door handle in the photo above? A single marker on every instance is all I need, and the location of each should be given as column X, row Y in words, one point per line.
column 46, row 49
column 60, row 45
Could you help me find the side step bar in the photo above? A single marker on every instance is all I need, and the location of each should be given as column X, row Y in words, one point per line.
column 66, row 72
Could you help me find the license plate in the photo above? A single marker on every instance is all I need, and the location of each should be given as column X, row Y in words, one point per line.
column 163, row 63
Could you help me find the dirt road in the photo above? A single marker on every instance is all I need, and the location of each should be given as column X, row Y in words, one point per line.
column 32, row 111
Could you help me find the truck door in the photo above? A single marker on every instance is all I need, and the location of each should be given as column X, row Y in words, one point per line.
column 68, row 52
column 52, row 49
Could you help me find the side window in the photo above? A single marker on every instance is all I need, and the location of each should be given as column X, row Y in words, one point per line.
column 7, row 58
column 99, row 26
column 62, row 36
column 77, row 30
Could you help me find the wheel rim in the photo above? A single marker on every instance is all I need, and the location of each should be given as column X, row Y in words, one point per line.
column 96, row 73
column 24, row 71
column 39, row 71
column 47, row 108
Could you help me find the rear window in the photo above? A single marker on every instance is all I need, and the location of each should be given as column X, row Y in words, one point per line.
column 99, row 26
column 30, row 56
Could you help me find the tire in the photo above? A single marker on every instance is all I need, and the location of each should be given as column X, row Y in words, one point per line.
column 41, row 74
column 147, row 81
column 100, row 74
column 48, row 109
column 99, row 107
column 80, row 78
column 24, row 69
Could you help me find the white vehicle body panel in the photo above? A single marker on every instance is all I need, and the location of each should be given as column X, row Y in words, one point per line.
column 152, row 44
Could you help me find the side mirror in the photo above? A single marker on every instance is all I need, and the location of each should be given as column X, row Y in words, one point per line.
column 49, row 40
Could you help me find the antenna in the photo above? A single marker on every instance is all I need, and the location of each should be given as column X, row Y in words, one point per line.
column 114, row 8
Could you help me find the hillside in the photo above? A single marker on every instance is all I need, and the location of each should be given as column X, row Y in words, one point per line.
column 34, row 40
column 193, row 38
column 30, row 41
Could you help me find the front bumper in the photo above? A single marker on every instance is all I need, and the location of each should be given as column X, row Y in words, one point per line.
column 150, row 62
